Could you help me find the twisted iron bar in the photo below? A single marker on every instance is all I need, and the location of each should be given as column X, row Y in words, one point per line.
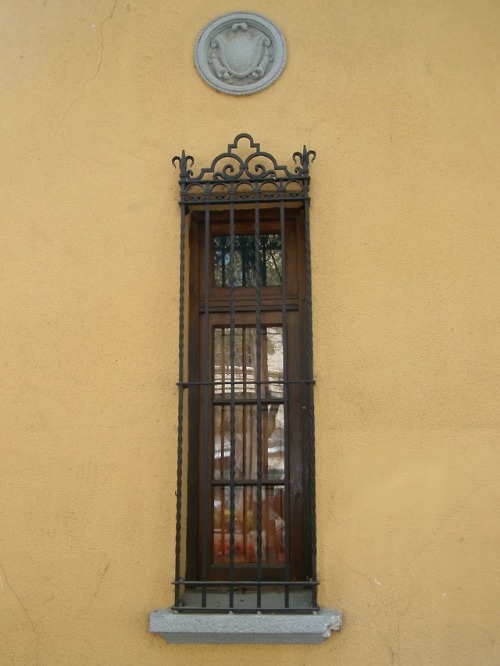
column 180, row 423
column 312, row 445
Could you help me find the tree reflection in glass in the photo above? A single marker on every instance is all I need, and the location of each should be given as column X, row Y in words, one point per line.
column 244, row 260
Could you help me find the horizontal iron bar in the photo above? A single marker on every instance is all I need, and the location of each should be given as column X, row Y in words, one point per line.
column 222, row 402
column 252, row 609
column 247, row 583
column 247, row 381
column 255, row 180
column 275, row 483
column 241, row 201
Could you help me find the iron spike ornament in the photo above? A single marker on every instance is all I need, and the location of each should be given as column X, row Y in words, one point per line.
column 240, row 53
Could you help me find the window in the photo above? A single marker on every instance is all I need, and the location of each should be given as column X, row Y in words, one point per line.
column 245, row 539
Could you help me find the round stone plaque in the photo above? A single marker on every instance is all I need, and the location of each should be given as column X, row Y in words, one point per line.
column 240, row 53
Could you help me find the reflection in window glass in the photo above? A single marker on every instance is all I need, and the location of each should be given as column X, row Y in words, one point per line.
column 244, row 260
column 245, row 525
column 238, row 406
column 245, row 464
column 245, row 367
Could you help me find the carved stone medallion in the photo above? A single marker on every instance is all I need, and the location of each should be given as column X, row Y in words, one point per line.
column 240, row 53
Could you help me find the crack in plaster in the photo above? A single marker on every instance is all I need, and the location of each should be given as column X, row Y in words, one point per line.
column 388, row 630
column 451, row 514
column 4, row 578
column 97, row 69
column 101, row 579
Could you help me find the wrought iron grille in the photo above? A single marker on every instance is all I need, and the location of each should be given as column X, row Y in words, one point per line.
column 221, row 564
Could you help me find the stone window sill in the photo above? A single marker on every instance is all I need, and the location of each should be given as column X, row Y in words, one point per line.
column 257, row 628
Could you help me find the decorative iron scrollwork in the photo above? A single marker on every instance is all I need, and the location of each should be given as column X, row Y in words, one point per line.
column 239, row 174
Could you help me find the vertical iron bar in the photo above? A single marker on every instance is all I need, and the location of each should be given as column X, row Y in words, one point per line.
column 243, row 254
column 224, row 249
column 232, row 324
column 285, row 402
column 258, row 335
column 312, row 461
column 180, row 423
column 207, row 487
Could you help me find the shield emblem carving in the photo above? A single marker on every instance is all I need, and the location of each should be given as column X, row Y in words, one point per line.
column 240, row 53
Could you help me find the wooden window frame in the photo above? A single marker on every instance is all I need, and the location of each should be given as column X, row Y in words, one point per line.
column 298, row 394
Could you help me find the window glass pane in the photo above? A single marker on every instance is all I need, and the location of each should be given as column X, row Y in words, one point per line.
column 245, row 464
column 245, row 525
column 244, row 260
column 245, row 364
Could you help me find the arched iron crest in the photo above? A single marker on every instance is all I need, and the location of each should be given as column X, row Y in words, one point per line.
column 244, row 172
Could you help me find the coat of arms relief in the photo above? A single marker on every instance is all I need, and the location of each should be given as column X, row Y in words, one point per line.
column 240, row 53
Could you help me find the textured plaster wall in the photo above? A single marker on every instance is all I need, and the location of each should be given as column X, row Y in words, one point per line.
column 400, row 98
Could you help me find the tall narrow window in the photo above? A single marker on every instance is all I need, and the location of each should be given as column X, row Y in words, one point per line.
column 246, row 534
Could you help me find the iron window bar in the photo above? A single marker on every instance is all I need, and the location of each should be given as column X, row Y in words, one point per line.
column 238, row 179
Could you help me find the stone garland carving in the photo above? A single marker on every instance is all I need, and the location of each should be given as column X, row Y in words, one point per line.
column 240, row 53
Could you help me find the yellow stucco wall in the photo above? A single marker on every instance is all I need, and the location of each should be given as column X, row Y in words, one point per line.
column 400, row 99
